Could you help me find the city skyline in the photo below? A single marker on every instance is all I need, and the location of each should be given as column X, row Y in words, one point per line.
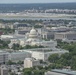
column 36, row 1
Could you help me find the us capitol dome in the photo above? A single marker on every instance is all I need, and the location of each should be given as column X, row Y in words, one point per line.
column 34, row 39
column 33, row 33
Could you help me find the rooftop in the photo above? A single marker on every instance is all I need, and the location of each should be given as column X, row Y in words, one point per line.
column 65, row 71
column 43, row 50
column 70, row 32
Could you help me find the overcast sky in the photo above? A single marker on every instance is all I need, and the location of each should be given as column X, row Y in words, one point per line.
column 35, row 1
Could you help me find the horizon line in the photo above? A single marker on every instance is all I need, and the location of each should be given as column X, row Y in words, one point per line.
column 38, row 3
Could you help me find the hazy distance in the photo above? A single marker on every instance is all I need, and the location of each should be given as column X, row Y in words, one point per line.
column 36, row 1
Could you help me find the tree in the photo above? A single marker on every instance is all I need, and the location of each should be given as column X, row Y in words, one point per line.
column 33, row 71
column 10, row 62
column 53, row 58
column 27, row 72
column 15, row 46
column 73, row 62
column 20, row 62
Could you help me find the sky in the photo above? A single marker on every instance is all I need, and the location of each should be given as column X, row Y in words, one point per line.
column 35, row 1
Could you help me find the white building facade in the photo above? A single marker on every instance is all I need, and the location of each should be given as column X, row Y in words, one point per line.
column 44, row 53
column 30, row 62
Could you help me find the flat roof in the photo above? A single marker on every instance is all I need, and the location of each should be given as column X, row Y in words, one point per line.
column 44, row 50
column 53, row 73
column 64, row 71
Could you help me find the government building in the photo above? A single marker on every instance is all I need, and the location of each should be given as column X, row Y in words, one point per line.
column 49, row 47
column 33, row 38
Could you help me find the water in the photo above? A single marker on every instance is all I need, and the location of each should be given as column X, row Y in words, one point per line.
column 5, row 8
column 21, row 7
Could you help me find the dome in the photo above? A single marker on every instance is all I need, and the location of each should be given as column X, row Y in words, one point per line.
column 33, row 33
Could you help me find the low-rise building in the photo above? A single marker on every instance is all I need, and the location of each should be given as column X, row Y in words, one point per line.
column 6, row 37
column 3, row 57
column 30, row 62
column 64, row 71
column 65, row 35
column 18, row 56
column 53, row 73
column 4, row 70
column 44, row 53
